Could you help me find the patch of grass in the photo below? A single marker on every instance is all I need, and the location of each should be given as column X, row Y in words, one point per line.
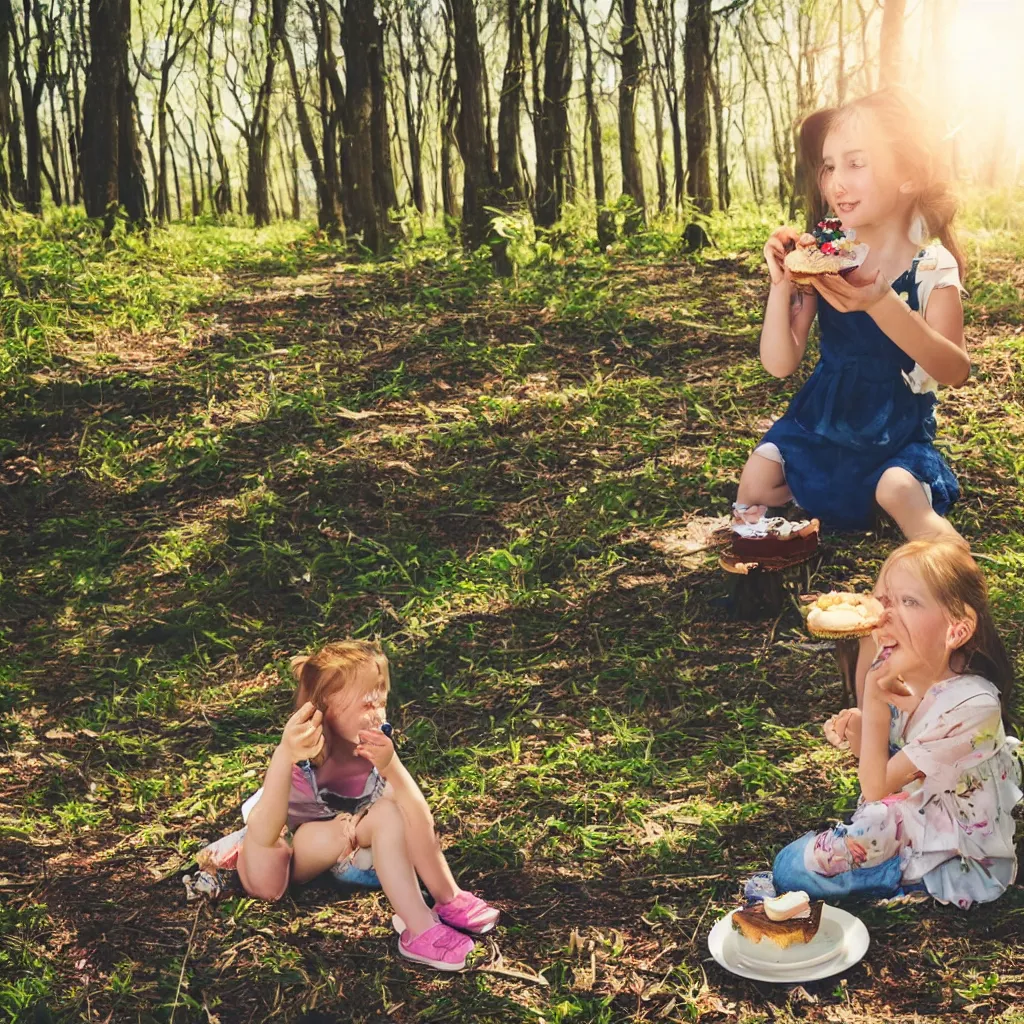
column 271, row 444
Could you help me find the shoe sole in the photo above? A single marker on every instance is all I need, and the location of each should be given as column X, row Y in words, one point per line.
column 438, row 965
column 399, row 926
column 473, row 931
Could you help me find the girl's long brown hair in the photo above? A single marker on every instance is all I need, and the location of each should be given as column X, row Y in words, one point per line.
column 915, row 149
column 953, row 577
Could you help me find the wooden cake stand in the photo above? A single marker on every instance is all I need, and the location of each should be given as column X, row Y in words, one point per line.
column 758, row 589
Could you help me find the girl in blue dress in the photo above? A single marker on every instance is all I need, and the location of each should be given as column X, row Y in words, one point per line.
column 859, row 434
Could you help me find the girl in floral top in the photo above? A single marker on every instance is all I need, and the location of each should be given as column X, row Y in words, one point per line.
column 939, row 775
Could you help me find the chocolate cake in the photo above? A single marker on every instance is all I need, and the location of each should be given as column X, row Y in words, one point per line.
column 775, row 542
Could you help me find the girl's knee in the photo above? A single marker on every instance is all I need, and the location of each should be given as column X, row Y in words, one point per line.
column 265, row 871
column 385, row 816
column 897, row 489
column 789, row 872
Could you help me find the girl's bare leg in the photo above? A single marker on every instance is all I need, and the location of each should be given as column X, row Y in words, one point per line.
column 421, row 840
column 319, row 845
column 383, row 829
column 763, row 482
column 900, row 493
column 264, row 871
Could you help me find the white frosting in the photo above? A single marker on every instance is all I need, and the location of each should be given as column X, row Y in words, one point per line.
column 787, row 906
column 775, row 526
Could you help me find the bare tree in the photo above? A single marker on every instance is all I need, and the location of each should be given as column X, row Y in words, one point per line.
column 696, row 74
column 481, row 192
column 554, row 117
column 176, row 33
column 266, row 28
column 415, row 91
column 631, row 60
column 723, row 118
column 510, row 151
column 664, row 29
column 32, row 42
column 325, row 171
column 111, row 162
column 605, row 217
column 890, row 62
column 367, row 180
column 220, row 193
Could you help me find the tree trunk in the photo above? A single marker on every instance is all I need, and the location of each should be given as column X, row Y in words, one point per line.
column 73, row 104
column 890, row 63
column 412, row 128
column 447, row 116
column 258, row 163
column 696, row 60
column 659, row 146
column 220, row 194
column 554, row 117
column 327, row 211
column 33, row 148
column 32, row 92
column 385, row 196
column 510, row 156
column 6, row 14
column 605, row 217
column 721, row 128
column 99, row 151
column 630, row 57
column 358, row 149
column 480, row 185
column 131, row 182
column 162, row 200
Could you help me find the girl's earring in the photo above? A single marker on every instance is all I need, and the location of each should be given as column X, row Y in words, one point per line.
column 918, row 232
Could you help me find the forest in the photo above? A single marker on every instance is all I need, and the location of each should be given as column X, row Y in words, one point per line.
column 436, row 323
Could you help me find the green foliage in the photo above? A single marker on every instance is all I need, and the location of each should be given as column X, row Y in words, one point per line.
column 222, row 448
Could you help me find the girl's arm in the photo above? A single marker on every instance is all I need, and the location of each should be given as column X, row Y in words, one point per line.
column 787, row 322
column 880, row 775
column 936, row 342
column 270, row 813
column 380, row 751
column 302, row 738
column 789, row 312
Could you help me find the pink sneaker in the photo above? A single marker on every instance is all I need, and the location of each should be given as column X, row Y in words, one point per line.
column 468, row 913
column 441, row 947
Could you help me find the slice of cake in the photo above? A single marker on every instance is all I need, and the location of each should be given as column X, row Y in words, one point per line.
column 787, row 920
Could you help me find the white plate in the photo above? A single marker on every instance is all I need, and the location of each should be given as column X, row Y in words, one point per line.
column 841, row 941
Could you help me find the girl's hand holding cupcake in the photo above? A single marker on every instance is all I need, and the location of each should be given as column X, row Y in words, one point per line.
column 854, row 291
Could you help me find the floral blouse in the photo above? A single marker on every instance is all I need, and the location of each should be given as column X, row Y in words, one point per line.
column 957, row 821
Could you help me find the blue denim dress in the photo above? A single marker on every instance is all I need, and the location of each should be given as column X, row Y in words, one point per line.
column 856, row 417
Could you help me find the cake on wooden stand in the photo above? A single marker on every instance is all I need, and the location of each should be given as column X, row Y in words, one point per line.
column 757, row 557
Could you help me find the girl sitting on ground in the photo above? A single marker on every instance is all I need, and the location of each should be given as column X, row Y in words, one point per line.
column 337, row 787
column 860, row 432
column 939, row 776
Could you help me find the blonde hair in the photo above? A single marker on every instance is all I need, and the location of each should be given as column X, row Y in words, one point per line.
column 914, row 148
column 955, row 581
column 333, row 669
